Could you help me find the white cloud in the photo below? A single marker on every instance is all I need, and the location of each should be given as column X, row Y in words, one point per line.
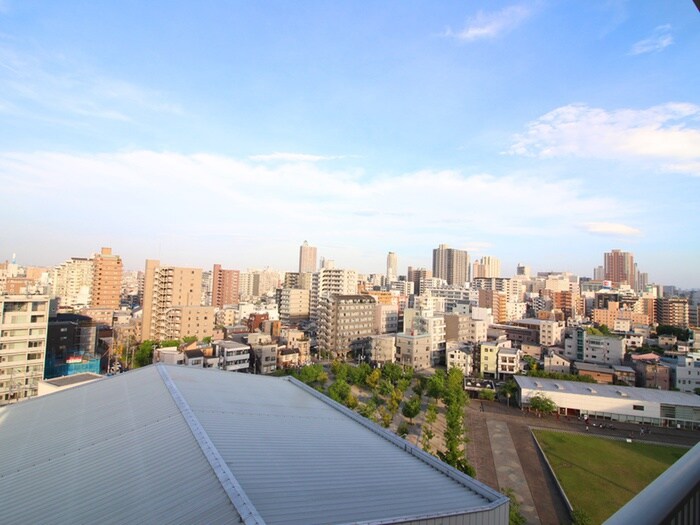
column 491, row 25
column 193, row 199
column 660, row 39
column 291, row 157
column 667, row 133
column 611, row 228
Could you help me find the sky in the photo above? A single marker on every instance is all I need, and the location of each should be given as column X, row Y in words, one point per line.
column 544, row 133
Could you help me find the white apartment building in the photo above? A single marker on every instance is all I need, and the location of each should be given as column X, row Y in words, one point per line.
column 508, row 362
column 233, row 356
column 386, row 318
column 72, row 282
column 605, row 350
column 687, row 370
column 23, row 329
column 459, row 355
column 426, row 321
column 328, row 282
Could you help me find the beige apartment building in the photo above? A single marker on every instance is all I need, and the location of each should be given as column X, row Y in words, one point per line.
column 413, row 350
column 106, row 280
column 71, row 282
column 166, row 287
column 294, row 305
column 23, row 328
column 188, row 321
column 342, row 320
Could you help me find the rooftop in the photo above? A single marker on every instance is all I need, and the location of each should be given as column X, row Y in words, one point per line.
column 242, row 448
column 612, row 391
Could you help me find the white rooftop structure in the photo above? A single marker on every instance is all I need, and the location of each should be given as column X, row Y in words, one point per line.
column 168, row 444
column 621, row 403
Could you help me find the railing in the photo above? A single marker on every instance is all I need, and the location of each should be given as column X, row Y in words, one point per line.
column 673, row 498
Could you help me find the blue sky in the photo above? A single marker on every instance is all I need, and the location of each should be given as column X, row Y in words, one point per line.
column 540, row 132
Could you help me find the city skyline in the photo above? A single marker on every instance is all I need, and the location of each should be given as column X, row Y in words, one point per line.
column 230, row 133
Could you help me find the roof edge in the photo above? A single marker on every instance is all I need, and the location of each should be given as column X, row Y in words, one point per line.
column 496, row 498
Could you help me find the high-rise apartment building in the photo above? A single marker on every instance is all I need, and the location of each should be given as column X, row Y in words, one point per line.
column 224, row 286
column 451, row 264
column 392, row 267
column 293, row 305
column 343, row 320
column 307, row 258
column 417, row 276
column 164, row 288
column 71, row 282
column 106, row 280
column 331, row 281
column 619, row 268
column 23, row 328
column 487, row 266
column 672, row 311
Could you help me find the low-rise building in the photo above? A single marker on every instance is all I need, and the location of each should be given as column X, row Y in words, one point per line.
column 382, row 349
column 233, row 356
column 554, row 362
column 508, row 362
column 460, row 355
column 413, row 350
column 614, row 402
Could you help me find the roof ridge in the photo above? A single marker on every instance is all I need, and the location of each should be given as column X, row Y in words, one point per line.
column 245, row 508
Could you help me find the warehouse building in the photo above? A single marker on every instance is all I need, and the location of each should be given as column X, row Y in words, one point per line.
column 614, row 402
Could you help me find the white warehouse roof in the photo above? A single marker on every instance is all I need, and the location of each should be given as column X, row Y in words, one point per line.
column 608, row 391
column 168, row 444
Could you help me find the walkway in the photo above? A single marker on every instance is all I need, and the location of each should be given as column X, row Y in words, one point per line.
column 509, row 470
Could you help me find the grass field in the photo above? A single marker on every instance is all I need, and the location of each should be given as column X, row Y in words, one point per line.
column 600, row 475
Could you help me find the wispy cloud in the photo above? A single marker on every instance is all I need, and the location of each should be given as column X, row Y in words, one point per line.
column 660, row 39
column 669, row 133
column 293, row 157
column 612, row 229
column 48, row 86
column 490, row 25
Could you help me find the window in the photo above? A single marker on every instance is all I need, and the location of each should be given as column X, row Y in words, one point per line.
column 638, row 407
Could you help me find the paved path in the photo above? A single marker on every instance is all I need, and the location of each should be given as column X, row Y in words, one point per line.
column 508, row 469
column 492, row 466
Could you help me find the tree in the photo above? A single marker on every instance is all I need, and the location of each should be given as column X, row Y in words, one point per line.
column 169, row 343
column 543, row 404
column 144, row 354
column 392, row 372
column 372, row 380
column 436, row 385
column 339, row 391
column 411, row 408
column 402, row 430
column 189, row 339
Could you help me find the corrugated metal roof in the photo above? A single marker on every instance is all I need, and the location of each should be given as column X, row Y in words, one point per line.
column 180, row 444
column 642, row 394
column 111, row 451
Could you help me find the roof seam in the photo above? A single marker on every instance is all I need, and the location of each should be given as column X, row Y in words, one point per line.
column 249, row 514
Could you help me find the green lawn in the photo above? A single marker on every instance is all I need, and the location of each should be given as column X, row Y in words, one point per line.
column 600, row 475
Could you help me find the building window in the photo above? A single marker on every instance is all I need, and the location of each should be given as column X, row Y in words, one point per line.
column 638, row 407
